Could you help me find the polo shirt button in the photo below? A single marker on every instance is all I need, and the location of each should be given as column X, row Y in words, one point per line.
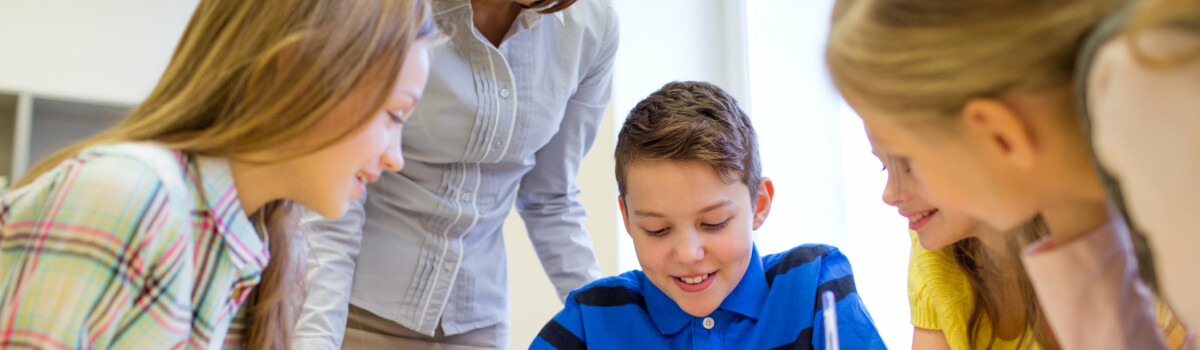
column 504, row 93
column 709, row 323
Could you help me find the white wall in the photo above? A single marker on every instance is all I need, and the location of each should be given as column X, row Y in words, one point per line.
column 112, row 50
column 827, row 184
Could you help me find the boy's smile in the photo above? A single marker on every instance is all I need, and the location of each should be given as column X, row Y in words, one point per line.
column 695, row 282
column 691, row 230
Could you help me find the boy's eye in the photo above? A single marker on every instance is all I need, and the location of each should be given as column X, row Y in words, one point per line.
column 716, row 226
column 657, row 232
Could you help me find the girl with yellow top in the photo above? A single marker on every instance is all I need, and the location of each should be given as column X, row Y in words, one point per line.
column 978, row 98
column 967, row 288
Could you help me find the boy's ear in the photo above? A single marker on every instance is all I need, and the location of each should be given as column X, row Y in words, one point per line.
column 1000, row 130
column 624, row 214
column 762, row 204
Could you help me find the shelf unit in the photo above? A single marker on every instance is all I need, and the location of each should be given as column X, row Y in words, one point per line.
column 32, row 126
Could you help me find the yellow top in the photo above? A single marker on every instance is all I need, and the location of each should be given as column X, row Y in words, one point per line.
column 940, row 299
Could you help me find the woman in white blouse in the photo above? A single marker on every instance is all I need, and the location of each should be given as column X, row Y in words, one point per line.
column 514, row 100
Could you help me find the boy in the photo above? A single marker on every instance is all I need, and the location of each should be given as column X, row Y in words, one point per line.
column 691, row 192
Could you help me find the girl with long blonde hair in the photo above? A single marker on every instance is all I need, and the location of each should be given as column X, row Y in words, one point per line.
column 977, row 98
column 174, row 228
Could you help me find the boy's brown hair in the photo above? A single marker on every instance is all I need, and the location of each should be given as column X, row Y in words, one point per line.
column 691, row 121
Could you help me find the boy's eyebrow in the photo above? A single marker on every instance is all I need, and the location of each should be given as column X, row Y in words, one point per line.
column 715, row 206
column 647, row 213
column 702, row 211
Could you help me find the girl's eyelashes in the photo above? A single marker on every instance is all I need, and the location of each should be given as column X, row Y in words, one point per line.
column 901, row 163
column 395, row 117
column 657, row 232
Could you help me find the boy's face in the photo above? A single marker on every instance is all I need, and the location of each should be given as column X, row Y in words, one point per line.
column 691, row 230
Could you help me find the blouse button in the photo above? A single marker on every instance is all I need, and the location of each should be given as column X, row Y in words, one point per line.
column 709, row 323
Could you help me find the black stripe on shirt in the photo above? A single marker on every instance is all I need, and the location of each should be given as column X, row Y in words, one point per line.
column 610, row 296
column 795, row 258
column 561, row 338
column 803, row 341
column 841, row 288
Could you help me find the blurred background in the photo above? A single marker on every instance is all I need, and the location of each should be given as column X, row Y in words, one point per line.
column 68, row 67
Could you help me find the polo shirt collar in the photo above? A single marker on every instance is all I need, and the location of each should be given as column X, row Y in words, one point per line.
column 746, row 299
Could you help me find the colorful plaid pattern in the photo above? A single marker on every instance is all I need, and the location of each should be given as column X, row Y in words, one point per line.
column 118, row 248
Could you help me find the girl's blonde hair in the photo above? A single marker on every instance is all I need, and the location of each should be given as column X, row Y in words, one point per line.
column 251, row 75
column 926, row 59
column 984, row 268
column 931, row 57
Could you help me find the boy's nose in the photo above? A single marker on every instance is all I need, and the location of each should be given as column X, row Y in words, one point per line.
column 689, row 248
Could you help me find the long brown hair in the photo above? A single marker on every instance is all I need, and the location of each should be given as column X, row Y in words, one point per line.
column 251, row 75
column 983, row 267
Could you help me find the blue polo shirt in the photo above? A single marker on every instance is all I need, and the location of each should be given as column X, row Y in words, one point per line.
column 775, row 306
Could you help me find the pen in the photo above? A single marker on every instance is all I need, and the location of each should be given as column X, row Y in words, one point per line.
column 829, row 309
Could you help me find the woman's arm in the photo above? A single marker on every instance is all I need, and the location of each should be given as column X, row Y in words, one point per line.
column 547, row 198
column 333, row 247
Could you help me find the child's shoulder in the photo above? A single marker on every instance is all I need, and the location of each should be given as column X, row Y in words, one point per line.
column 112, row 170
column 146, row 161
column 778, row 263
column 106, row 191
column 611, row 291
column 157, row 158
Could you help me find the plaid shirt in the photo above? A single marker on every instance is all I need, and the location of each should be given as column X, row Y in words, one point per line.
column 118, row 248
